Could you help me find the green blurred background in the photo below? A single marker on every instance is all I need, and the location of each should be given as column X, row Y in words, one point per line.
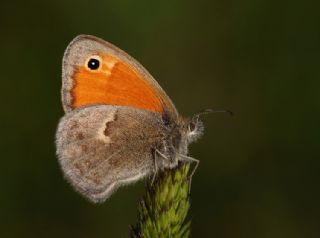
column 259, row 170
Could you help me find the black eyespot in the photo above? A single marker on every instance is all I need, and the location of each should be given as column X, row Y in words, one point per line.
column 93, row 64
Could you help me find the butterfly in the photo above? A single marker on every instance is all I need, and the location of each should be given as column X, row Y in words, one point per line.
column 119, row 124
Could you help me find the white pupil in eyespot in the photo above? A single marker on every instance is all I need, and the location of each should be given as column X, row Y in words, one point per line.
column 93, row 64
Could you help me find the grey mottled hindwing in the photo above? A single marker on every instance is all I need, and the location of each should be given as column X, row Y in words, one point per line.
column 103, row 147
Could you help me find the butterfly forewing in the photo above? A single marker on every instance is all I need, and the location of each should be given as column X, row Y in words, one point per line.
column 117, row 79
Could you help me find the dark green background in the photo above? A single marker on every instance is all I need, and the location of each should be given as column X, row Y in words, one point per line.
column 259, row 170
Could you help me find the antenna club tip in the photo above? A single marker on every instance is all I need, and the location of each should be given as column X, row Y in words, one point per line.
column 230, row 112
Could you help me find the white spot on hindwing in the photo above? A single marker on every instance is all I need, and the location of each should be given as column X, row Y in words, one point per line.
column 101, row 131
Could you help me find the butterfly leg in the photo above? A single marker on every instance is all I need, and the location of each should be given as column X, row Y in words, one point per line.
column 162, row 155
column 155, row 167
column 189, row 159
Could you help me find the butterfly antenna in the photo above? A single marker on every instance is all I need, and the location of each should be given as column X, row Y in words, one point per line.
column 208, row 111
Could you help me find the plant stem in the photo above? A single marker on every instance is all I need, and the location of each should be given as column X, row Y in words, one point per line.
column 164, row 208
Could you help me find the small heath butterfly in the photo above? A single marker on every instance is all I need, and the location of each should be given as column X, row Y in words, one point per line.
column 119, row 126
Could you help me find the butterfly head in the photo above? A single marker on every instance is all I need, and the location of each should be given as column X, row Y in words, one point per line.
column 184, row 132
column 194, row 129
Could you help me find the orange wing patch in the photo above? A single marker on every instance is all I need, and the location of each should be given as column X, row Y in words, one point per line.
column 115, row 83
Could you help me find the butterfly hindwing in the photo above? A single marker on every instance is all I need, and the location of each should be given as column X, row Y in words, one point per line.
column 102, row 147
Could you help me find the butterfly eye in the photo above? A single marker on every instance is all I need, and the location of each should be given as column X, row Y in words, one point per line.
column 192, row 126
column 93, row 63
